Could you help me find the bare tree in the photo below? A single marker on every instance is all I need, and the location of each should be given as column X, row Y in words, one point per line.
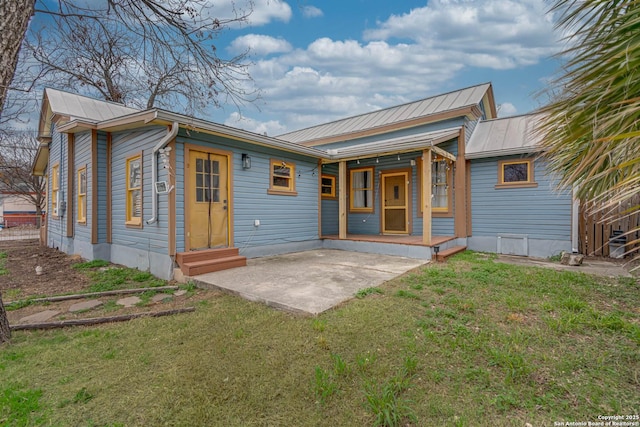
column 14, row 19
column 177, row 58
column 16, row 158
column 117, row 65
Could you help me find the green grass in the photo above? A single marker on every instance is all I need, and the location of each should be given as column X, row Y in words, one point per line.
column 114, row 278
column 468, row 342
column 3, row 259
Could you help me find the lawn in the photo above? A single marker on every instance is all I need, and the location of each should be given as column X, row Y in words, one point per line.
column 467, row 343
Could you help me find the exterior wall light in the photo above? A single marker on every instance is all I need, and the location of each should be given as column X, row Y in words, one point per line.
column 246, row 161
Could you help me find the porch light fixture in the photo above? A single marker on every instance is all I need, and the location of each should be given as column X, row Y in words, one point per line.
column 246, row 161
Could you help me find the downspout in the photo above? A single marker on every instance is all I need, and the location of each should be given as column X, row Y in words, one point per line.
column 154, row 169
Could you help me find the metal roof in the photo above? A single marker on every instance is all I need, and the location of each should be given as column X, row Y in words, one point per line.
column 163, row 117
column 81, row 107
column 395, row 145
column 426, row 107
column 505, row 136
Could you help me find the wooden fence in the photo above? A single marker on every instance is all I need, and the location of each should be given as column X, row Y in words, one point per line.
column 599, row 235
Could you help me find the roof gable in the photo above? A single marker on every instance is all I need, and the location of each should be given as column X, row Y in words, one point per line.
column 419, row 112
column 60, row 105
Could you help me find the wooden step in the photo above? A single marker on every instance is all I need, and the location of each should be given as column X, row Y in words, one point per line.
column 216, row 264
column 205, row 254
column 443, row 255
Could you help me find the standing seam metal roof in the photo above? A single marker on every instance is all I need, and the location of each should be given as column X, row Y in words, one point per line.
column 425, row 107
column 502, row 137
column 81, row 107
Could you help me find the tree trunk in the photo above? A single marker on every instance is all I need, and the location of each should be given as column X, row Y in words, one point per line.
column 14, row 20
column 5, row 332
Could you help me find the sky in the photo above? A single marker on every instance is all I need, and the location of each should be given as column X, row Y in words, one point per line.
column 316, row 61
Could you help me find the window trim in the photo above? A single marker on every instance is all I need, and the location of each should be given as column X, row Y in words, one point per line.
column 529, row 183
column 352, row 191
column 81, row 196
column 331, row 195
column 278, row 190
column 55, row 190
column 130, row 220
column 436, row 212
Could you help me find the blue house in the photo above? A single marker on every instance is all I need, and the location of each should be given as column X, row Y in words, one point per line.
column 159, row 190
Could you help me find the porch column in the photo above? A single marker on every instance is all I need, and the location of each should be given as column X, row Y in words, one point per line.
column 426, row 196
column 342, row 200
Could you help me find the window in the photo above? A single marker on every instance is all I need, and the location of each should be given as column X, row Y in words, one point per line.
column 361, row 195
column 441, row 188
column 282, row 178
column 134, row 190
column 207, row 181
column 441, row 183
column 516, row 173
column 328, row 186
column 55, row 189
column 82, row 195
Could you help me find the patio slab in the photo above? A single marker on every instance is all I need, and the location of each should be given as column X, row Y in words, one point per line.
column 308, row 282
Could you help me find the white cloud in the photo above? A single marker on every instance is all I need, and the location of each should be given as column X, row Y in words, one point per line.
column 499, row 34
column 311, row 12
column 270, row 128
column 265, row 11
column 507, row 109
column 260, row 44
column 404, row 58
column 260, row 12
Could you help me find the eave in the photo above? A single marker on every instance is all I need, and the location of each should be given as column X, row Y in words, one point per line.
column 395, row 146
column 41, row 160
column 165, row 118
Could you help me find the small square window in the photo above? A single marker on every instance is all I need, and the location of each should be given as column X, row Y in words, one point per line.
column 516, row 173
column 282, row 178
column 328, row 186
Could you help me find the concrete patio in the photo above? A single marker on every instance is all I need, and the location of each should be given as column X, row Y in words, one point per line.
column 308, row 282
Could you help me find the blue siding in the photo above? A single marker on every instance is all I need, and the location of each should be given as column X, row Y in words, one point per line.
column 151, row 237
column 57, row 227
column 102, row 187
column 539, row 212
column 82, row 158
column 179, row 184
column 330, row 207
column 283, row 219
column 469, row 127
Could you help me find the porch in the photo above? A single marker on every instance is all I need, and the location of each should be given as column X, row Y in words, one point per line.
column 400, row 245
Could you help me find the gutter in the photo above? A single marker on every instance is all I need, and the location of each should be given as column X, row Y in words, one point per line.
column 171, row 134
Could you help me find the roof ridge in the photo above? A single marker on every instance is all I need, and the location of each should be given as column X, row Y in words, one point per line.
column 386, row 108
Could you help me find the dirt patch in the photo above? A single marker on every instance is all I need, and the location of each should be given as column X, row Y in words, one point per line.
column 23, row 256
column 60, row 278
